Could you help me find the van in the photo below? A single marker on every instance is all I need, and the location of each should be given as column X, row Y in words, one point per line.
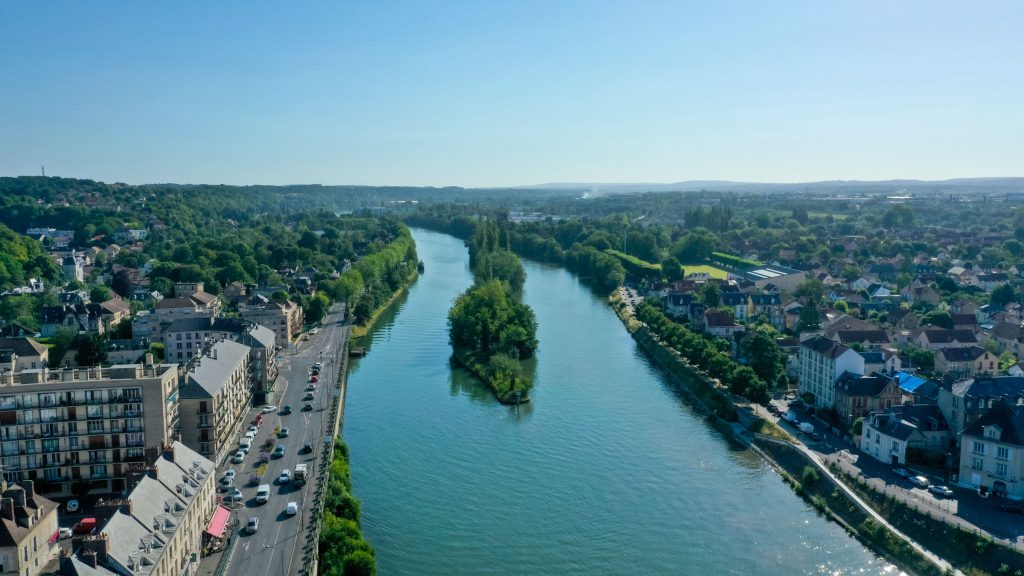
column 263, row 493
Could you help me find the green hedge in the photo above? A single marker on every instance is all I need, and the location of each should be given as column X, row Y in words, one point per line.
column 343, row 550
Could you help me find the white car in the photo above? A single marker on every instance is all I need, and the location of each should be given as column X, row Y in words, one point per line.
column 269, row 408
column 310, row 387
column 253, row 525
column 230, row 474
column 254, row 429
column 940, row 490
column 263, row 494
column 65, row 533
column 919, row 481
column 239, row 457
column 285, row 477
column 292, row 509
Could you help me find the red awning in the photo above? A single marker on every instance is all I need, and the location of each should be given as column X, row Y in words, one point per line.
column 219, row 521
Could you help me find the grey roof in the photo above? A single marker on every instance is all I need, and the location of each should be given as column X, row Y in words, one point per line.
column 208, row 373
column 1010, row 419
column 1010, row 387
column 1006, row 330
column 893, row 426
column 944, row 336
column 158, row 504
column 824, row 346
column 189, row 324
column 766, row 299
column 856, row 385
column 876, row 336
column 260, row 337
column 733, row 299
column 968, row 354
column 873, row 357
column 23, row 346
column 927, row 417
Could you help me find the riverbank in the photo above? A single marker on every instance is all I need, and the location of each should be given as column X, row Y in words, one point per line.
column 711, row 398
column 360, row 330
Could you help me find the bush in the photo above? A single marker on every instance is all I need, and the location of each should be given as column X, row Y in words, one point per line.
column 810, row 476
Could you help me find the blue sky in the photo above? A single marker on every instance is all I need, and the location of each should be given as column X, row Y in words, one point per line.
column 483, row 93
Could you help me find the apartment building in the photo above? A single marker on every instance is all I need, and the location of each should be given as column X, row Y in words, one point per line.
column 992, row 451
column 965, row 401
column 157, row 529
column 28, row 529
column 284, row 317
column 822, row 362
column 62, row 428
column 215, row 392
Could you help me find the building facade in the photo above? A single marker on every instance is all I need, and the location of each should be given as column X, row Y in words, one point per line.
column 822, row 362
column 216, row 390
column 87, row 427
column 28, row 526
column 992, row 452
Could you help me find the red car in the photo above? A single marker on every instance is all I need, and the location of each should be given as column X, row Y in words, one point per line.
column 314, row 378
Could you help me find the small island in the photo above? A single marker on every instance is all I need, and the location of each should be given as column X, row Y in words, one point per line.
column 491, row 331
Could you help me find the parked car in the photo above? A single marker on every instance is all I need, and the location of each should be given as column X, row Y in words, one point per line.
column 253, row 525
column 283, row 433
column 279, row 451
column 285, row 477
column 940, row 490
column 309, row 396
column 263, row 494
column 254, row 429
column 71, row 506
column 230, row 474
column 314, row 378
column 817, row 436
column 919, row 481
column 236, row 496
column 310, row 387
column 65, row 533
column 84, row 526
column 269, row 408
column 902, row 473
column 307, row 407
column 292, row 509
column 306, row 448
column 285, row 411
column 238, row 458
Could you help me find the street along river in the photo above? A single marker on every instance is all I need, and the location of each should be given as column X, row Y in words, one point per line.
column 607, row 471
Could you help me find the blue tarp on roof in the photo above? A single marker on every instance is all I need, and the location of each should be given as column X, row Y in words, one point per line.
column 910, row 382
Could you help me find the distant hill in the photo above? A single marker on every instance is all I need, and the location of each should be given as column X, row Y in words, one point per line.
column 958, row 185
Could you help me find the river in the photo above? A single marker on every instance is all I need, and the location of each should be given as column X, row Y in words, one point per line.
column 607, row 471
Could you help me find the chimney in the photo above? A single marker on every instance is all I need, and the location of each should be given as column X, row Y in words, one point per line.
column 7, row 508
column 17, row 493
column 98, row 546
column 169, row 452
column 152, row 471
column 89, row 559
column 148, row 359
column 30, row 488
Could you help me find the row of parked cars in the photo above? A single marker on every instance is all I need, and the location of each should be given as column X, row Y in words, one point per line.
column 923, row 482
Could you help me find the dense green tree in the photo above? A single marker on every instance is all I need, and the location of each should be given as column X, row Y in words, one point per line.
column 671, row 269
column 809, row 319
column 711, row 295
column 1003, row 294
column 92, row 350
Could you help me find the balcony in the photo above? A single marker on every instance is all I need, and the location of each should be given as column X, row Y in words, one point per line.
column 133, row 413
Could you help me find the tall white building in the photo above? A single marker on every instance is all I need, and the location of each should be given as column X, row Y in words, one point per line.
column 822, row 362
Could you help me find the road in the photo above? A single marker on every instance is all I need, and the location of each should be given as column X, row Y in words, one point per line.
column 276, row 547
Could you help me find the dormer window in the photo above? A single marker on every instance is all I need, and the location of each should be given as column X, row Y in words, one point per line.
column 993, row 432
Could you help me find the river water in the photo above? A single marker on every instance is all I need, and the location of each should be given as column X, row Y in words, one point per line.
column 607, row 471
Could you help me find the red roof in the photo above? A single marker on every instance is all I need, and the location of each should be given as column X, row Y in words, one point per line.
column 218, row 522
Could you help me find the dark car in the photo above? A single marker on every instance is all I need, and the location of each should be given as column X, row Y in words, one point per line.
column 285, row 411
column 902, row 473
column 306, row 449
column 307, row 407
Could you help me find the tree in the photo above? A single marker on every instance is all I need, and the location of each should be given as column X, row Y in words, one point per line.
column 92, row 350
column 62, row 340
column 317, row 307
column 360, row 563
column 696, row 246
column 711, row 295
column 122, row 283
column 809, row 320
column 1006, row 360
column 763, row 355
column 940, row 318
column 811, row 291
column 99, row 294
column 671, row 269
column 1004, row 293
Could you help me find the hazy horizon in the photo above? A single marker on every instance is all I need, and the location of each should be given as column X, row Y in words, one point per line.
column 462, row 94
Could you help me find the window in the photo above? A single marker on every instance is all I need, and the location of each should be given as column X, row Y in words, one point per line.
column 976, row 463
column 73, row 443
column 895, row 445
column 95, row 426
column 1002, row 452
column 94, row 411
column 1001, row 468
column 978, row 447
column 51, row 445
column 98, row 470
